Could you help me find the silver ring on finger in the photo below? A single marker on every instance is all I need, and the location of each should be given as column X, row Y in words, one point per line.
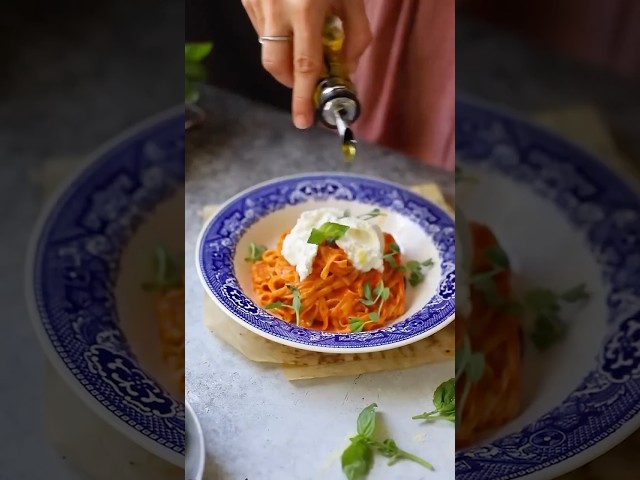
column 275, row 38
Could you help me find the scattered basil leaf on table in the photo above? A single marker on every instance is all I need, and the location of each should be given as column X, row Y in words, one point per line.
column 444, row 399
column 357, row 459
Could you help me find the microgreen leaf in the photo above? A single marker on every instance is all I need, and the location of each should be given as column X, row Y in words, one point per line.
column 356, row 324
column 385, row 293
column 168, row 272
column 366, row 291
column 297, row 302
column 271, row 305
column 545, row 305
column 416, row 278
column 366, row 302
column 327, row 232
column 376, row 212
column 255, row 252
column 374, row 316
column 412, row 265
column 393, row 246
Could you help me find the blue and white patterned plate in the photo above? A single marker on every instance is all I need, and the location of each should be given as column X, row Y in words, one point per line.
column 260, row 214
column 563, row 218
column 73, row 269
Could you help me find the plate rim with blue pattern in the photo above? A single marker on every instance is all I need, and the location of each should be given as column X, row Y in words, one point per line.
column 572, row 433
column 218, row 242
column 144, row 165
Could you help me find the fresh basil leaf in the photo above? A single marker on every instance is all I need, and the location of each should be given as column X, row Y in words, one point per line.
column 328, row 231
column 196, row 51
column 191, row 94
column 445, row 395
column 357, row 460
column 367, row 420
column 333, row 230
column 316, row 237
column 196, row 72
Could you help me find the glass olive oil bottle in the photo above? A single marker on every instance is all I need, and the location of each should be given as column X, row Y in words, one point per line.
column 337, row 105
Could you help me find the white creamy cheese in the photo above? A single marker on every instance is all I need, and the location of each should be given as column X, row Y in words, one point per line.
column 363, row 242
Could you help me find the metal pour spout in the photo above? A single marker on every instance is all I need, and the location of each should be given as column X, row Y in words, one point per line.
column 349, row 143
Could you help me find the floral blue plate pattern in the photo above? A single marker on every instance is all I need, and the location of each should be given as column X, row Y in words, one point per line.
column 217, row 248
column 605, row 406
column 74, row 263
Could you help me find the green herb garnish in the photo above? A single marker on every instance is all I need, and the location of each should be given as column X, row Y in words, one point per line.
column 376, row 212
column 255, row 252
column 545, row 305
column 357, row 459
column 296, row 304
column 412, row 268
column 382, row 293
column 194, row 71
column 327, row 232
column 444, row 399
column 168, row 270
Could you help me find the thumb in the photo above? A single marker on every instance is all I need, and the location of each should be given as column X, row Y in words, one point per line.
column 356, row 30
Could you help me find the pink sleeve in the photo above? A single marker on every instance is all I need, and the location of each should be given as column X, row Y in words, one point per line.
column 406, row 79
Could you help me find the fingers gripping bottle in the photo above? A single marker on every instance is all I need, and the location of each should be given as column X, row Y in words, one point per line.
column 336, row 102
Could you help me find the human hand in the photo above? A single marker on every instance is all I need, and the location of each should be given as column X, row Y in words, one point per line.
column 298, row 63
